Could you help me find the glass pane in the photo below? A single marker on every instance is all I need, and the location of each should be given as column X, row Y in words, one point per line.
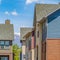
column 7, row 43
column 1, row 42
column 4, row 58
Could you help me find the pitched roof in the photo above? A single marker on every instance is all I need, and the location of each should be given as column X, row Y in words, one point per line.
column 27, row 34
column 23, row 32
column 6, row 32
column 43, row 10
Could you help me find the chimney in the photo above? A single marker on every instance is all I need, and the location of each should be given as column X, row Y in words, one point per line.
column 7, row 22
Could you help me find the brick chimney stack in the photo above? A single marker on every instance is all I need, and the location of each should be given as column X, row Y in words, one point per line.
column 7, row 22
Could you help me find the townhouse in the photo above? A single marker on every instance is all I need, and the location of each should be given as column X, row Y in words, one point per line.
column 45, row 33
column 25, row 42
column 6, row 38
column 47, row 28
column 28, row 44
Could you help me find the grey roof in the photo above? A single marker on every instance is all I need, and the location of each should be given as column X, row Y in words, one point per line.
column 6, row 32
column 43, row 10
column 23, row 32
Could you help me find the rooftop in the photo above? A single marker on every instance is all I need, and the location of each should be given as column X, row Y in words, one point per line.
column 23, row 32
column 43, row 10
column 6, row 31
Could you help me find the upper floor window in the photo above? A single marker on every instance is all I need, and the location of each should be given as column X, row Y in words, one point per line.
column 4, row 44
column 1, row 43
column 7, row 43
column 37, row 52
column 37, row 33
column 29, row 44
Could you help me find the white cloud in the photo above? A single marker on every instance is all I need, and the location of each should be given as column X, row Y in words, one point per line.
column 17, row 33
column 14, row 13
column 6, row 12
column 31, row 1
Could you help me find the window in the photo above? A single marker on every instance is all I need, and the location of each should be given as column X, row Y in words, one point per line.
column 3, row 58
column 2, row 43
column 6, row 43
column 29, row 44
column 37, row 52
column 37, row 33
column 24, row 56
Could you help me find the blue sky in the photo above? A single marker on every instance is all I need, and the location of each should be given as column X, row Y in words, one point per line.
column 20, row 12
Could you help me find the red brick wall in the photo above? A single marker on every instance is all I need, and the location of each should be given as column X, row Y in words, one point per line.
column 53, row 49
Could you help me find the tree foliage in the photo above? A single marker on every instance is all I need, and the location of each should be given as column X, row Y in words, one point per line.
column 16, row 52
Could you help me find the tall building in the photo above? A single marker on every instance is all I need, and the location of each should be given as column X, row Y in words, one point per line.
column 6, row 38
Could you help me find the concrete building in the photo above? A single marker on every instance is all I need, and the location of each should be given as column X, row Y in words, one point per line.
column 47, row 30
column 6, row 38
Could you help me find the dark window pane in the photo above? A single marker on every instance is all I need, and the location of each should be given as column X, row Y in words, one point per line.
column 1, row 42
column 37, row 33
column 10, row 42
column 29, row 44
column 7, row 43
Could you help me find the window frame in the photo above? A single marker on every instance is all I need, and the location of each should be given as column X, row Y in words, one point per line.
column 1, row 43
column 7, row 44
